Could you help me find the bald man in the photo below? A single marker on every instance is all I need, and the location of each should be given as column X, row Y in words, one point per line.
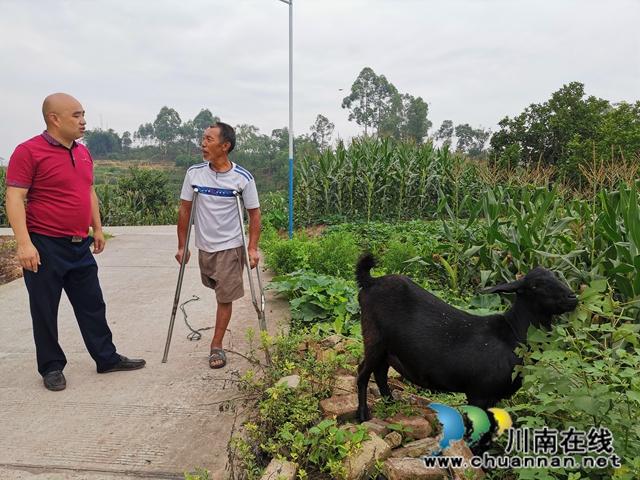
column 55, row 176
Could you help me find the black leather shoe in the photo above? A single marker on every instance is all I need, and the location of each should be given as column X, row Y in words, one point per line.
column 126, row 364
column 55, row 381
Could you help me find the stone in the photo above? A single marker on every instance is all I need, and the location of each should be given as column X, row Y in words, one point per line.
column 410, row 469
column 279, row 470
column 460, row 449
column 349, row 428
column 343, row 407
column 419, row 448
column 420, row 427
column 344, row 384
column 394, row 439
column 375, row 428
column 362, row 463
column 292, row 381
column 332, row 341
column 375, row 391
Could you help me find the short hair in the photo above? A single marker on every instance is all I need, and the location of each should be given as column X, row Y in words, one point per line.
column 227, row 134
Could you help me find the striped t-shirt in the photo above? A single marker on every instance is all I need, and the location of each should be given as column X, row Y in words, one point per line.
column 217, row 226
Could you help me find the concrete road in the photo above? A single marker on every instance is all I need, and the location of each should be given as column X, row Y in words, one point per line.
column 157, row 422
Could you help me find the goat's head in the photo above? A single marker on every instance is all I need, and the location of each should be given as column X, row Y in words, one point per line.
column 541, row 291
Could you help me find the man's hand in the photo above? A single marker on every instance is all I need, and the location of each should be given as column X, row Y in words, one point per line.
column 28, row 257
column 253, row 257
column 181, row 253
column 98, row 241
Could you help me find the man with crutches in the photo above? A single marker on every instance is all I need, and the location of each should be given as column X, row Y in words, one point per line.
column 218, row 227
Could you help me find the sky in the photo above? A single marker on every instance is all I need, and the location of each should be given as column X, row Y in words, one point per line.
column 472, row 61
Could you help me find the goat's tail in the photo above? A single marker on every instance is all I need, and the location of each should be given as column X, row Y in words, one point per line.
column 363, row 270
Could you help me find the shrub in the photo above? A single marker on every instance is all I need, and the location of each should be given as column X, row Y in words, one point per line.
column 185, row 160
column 288, row 256
column 150, row 188
column 336, row 255
column 396, row 258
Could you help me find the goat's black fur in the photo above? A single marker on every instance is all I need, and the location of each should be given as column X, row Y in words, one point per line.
column 441, row 348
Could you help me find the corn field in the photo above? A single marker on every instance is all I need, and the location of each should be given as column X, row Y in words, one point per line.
column 378, row 179
column 119, row 207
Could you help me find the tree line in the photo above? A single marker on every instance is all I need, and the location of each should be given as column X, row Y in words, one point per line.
column 170, row 138
column 566, row 131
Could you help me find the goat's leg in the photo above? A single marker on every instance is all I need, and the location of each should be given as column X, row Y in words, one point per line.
column 365, row 369
column 381, row 373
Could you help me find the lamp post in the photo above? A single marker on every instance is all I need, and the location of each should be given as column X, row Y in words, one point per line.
column 290, row 3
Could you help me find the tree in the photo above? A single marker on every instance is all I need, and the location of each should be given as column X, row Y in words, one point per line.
column 166, row 126
column 416, row 123
column 321, row 132
column 543, row 131
column 370, row 99
column 144, row 134
column 259, row 154
column 617, row 138
column 187, row 134
column 201, row 122
column 445, row 132
column 102, row 142
column 470, row 140
column 126, row 141
column 406, row 118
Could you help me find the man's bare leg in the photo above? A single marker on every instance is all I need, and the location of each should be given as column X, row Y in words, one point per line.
column 223, row 317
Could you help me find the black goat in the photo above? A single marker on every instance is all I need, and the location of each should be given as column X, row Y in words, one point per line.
column 439, row 347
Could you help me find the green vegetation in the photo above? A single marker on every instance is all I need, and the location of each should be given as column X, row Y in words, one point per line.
column 586, row 373
column 142, row 198
column 568, row 129
column 559, row 188
column 286, row 422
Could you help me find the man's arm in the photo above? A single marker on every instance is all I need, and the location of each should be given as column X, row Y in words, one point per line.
column 28, row 255
column 96, row 224
column 255, row 227
column 184, row 215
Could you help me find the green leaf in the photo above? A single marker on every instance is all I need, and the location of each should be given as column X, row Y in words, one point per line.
column 587, row 404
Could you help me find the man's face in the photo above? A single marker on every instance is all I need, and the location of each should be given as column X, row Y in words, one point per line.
column 69, row 117
column 212, row 147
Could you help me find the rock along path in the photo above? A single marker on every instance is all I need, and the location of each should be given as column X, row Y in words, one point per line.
column 157, row 422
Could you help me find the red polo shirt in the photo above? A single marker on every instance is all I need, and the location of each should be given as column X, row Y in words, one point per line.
column 59, row 180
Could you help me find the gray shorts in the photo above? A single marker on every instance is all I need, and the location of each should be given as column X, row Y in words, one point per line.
column 222, row 271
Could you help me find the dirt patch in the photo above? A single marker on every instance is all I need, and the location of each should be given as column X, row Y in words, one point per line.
column 10, row 269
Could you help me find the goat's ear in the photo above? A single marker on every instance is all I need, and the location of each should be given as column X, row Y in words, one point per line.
column 505, row 287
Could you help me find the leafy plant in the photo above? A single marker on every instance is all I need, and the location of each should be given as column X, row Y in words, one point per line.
column 585, row 374
column 335, row 254
column 318, row 298
column 201, row 474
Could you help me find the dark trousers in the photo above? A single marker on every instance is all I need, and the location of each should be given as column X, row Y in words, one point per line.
column 69, row 266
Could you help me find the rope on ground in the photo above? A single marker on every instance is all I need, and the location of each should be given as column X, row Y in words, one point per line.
column 195, row 334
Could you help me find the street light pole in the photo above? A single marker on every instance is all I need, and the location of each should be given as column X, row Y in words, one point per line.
column 290, row 3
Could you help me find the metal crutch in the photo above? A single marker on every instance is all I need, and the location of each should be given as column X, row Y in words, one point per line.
column 180, row 275
column 259, row 308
